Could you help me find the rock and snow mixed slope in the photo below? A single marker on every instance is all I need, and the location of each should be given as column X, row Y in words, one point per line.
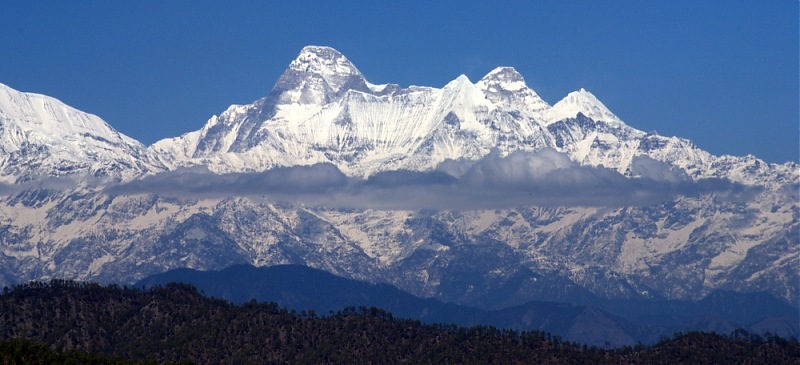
column 323, row 110
column 41, row 136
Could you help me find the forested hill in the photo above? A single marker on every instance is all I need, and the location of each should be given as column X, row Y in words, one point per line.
column 176, row 323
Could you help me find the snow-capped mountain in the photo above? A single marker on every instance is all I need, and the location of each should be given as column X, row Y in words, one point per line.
column 41, row 136
column 323, row 110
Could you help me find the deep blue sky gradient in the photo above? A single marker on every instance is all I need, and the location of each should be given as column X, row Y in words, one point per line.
column 721, row 73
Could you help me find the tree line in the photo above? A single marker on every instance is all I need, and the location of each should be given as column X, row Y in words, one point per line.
column 62, row 322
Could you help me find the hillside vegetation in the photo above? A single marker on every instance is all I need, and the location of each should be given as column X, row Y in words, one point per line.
column 176, row 323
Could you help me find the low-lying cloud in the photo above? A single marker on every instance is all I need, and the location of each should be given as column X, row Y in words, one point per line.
column 199, row 181
column 546, row 178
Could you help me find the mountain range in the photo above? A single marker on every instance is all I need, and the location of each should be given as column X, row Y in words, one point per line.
column 479, row 194
column 603, row 323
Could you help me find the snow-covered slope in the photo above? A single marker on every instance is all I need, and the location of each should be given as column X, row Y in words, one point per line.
column 583, row 102
column 41, row 136
column 322, row 109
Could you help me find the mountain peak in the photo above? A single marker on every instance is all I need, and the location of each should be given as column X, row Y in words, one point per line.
column 323, row 61
column 45, row 133
column 46, row 118
column 319, row 50
column 505, row 77
column 460, row 80
column 317, row 76
column 584, row 102
column 505, row 86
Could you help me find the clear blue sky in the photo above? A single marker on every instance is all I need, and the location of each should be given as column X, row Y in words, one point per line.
column 721, row 73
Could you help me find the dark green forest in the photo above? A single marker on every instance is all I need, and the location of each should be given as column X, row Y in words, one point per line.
column 65, row 322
